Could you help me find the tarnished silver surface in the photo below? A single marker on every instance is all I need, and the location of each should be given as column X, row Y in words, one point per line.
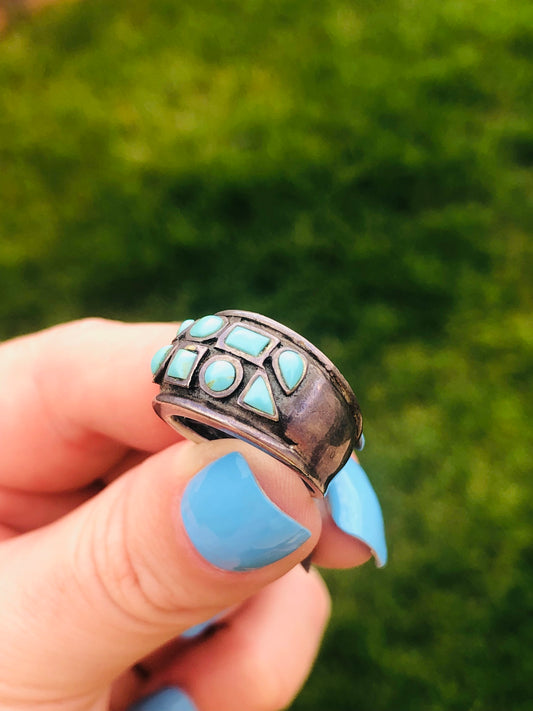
column 312, row 426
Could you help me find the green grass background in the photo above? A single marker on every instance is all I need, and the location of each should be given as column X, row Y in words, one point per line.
column 361, row 171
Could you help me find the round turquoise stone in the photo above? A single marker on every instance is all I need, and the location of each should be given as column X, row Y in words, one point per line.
column 291, row 366
column 220, row 375
column 206, row 326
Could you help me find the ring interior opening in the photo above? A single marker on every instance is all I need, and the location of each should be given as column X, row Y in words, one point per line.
column 210, row 433
column 204, row 431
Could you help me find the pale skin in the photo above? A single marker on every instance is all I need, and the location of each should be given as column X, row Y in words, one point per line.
column 97, row 572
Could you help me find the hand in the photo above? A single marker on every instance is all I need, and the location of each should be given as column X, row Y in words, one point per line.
column 100, row 562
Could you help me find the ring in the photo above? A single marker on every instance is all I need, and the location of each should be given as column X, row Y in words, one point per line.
column 239, row 374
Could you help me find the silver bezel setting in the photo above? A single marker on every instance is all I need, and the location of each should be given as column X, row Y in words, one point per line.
column 247, row 389
column 215, row 334
column 228, row 391
column 200, row 350
column 277, row 369
column 256, row 360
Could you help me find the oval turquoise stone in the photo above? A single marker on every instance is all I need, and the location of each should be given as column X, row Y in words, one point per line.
column 220, row 375
column 291, row 367
column 159, row 357
column 206, row 326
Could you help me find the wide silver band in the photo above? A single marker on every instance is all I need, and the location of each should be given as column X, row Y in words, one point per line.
column 243, row 375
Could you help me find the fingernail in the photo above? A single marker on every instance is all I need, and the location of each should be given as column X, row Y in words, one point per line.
column 356, row 510
column 168, row 699
column 232, row 523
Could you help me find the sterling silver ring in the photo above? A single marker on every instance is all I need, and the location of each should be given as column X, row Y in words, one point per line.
column 239, row 374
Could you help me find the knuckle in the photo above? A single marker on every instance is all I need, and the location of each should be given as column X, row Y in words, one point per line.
column 123, row 579
column 89, row 323
column 79, row 328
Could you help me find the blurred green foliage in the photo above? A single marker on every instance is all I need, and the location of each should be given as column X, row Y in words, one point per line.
column 362, row 172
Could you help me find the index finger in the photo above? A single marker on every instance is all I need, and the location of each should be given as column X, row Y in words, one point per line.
column 75, row 399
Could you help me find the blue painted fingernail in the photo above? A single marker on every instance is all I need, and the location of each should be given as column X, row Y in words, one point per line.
column 356, row 510
column 167, row 699
column 232, row 523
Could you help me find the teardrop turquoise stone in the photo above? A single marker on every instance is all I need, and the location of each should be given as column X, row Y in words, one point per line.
column 291, row 366
column 219, row 375
column 258, row 397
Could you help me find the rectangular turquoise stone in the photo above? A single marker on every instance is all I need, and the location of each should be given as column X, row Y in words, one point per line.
column 182, row 364
column 247, row 341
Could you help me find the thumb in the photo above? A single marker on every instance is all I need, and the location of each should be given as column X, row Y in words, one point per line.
column 189, row 532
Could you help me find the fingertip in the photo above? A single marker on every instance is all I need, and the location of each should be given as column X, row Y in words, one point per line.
column 339, row 550
column 355, row 509
column 242, row 512
column 352, row 521
column 262, row 655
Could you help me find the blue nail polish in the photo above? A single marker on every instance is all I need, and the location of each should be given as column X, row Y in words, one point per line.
column 232, row 523
column 356, row 510
column 168, row 699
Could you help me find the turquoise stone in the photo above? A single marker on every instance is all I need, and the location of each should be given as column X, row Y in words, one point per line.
column 185, row 325
column 159, row 357
column 206, row 326
column 291, row 367
column 182, row 364
column 247, row 341
column 259, row 398
column 220, row 375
